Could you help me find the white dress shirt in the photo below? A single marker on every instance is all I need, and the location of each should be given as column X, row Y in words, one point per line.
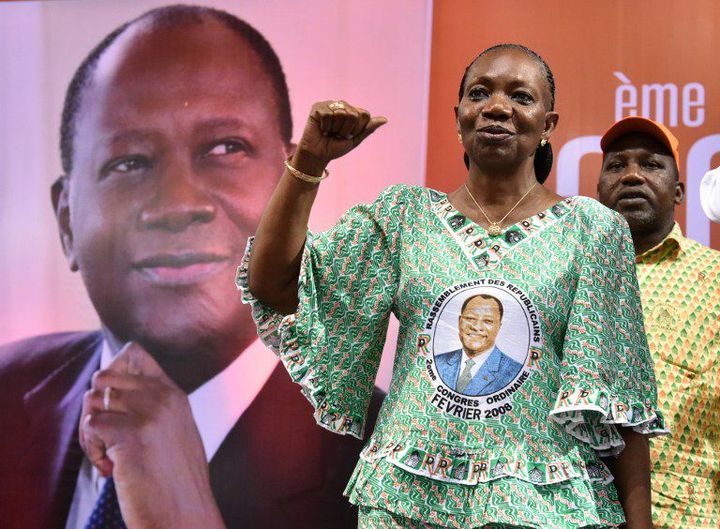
column 216, row 406
column 710, row 194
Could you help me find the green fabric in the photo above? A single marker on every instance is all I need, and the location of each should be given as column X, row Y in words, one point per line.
column 521, row 446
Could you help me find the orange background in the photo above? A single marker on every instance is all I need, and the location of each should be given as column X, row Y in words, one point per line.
column 658, row 41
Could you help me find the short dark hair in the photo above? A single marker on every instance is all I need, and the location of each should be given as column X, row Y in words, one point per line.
column 483, row 296
column 543, row 156
column 172, row 16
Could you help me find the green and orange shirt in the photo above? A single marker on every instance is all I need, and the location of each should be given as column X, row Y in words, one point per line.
column 520, row 443
column 680, row 287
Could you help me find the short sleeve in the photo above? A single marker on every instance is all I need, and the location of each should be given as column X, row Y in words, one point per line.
column 607, row 376
column 332, row 344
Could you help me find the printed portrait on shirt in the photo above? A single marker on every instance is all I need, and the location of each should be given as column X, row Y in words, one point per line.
column 478, row 366
column 483, row 339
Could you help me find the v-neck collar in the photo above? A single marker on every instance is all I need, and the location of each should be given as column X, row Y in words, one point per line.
column 482, row 249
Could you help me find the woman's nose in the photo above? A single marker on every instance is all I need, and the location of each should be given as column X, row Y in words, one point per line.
column 497, row 107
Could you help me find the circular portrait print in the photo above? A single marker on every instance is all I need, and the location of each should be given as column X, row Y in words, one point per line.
column 483, row 341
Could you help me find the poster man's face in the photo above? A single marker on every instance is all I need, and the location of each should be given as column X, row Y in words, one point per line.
column 177, row 150
column 479, row 325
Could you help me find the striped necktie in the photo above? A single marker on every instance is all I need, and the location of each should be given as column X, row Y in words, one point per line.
column 465, row 377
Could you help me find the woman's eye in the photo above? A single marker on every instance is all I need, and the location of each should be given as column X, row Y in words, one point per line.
column 225, row 148
column 476, row 93
column 128, row 164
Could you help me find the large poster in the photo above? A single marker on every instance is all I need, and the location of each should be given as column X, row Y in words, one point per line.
column 128, row 190
column 611, row 59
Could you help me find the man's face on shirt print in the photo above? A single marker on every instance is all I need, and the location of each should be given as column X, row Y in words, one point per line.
column 176, row 151
column 479, row 324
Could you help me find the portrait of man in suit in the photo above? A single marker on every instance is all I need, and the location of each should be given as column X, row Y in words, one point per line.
column 174, row 132
column 479, row 367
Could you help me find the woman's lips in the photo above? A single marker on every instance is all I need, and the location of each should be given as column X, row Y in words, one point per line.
column 494, row 134
column 181, row 269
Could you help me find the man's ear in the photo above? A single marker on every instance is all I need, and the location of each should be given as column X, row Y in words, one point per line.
column 679, row 193
column 59, row 194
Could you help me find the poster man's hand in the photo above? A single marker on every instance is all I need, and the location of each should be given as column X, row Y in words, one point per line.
column 137, row 426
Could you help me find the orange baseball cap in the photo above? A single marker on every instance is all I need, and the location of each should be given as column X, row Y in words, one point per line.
column 647, row 126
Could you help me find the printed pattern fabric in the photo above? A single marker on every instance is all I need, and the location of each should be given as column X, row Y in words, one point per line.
column 550, row 309
column 680, row 286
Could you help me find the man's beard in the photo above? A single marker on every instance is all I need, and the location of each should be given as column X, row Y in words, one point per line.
column 645, row 222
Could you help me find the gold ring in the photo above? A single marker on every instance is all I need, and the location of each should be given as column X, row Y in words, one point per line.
column 106, row 398
column 336, row 105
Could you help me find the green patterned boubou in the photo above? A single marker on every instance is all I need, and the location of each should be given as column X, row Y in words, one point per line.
column 517, row 358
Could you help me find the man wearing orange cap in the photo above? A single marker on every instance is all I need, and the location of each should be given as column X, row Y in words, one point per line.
column 681, row 302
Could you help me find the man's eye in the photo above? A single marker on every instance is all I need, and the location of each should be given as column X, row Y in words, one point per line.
column 523, row 98
column 225, row 148
column 615, row 166
column 653, row 165
column 127, row 164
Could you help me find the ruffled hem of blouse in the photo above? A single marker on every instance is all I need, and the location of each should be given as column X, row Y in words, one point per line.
column 577, row 502
column 279, row 332
column 472, row 466
column 593, row 415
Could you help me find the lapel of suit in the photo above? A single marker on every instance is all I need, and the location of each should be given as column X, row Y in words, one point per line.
column 53, row 410
column 486, row 374
column 273, row 452
column 455, row 361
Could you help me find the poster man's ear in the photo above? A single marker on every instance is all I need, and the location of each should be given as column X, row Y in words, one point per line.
column 60, row 196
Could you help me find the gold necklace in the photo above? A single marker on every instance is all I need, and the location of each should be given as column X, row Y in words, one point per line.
column 495, row 228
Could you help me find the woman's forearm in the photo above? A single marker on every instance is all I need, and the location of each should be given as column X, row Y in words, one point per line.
column 631, row 470
column 333, row 129
column 275, row 261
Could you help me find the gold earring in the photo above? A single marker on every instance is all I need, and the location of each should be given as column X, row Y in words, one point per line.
column 459, row 138
column 543, row 142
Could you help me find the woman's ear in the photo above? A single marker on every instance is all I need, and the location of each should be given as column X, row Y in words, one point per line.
column 551, row 121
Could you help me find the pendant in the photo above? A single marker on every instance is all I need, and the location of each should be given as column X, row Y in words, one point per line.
column 494, row 229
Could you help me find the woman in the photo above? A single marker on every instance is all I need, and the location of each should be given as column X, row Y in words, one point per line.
column 521, row 358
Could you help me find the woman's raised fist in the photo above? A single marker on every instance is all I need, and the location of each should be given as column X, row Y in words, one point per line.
column 333, row 129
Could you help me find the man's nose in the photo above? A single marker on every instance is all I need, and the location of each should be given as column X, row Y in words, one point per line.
column 476, row 326
column 179, row 201
column 633, row 175
column 497, row 107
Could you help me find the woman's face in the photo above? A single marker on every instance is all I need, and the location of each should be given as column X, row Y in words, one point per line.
column 504, row 111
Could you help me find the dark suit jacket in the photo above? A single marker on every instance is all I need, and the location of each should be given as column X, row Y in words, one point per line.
column 276, row 468
column 496, row 373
